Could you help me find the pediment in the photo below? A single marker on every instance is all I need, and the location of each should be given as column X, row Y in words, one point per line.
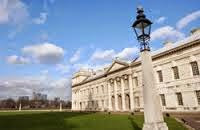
column 116, row 65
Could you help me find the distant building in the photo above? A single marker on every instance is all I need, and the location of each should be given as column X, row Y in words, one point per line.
column 24, row 98
column 39, row 96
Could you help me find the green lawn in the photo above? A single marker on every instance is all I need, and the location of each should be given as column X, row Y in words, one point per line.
column 74, row 121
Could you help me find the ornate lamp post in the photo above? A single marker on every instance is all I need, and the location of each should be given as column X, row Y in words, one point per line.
column 152, row 108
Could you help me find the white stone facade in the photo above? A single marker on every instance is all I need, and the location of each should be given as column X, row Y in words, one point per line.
column 119, row 87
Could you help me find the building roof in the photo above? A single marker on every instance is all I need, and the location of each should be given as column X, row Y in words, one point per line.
column 162, row 51
column 173, row 46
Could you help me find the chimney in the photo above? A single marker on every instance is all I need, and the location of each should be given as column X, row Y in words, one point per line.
column 195, row 31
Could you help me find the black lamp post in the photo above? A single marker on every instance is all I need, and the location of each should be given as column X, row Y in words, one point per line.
column 152, row 108
column 142, row 28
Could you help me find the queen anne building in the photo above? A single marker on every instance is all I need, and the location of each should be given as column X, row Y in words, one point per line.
column 119, row 86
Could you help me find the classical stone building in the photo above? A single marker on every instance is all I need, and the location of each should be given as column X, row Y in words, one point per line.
column 119, row 86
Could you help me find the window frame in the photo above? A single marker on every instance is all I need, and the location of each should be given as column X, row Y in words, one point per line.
column 180, row 102
column 194, row 73
column 176, row 72
column 197, row 92
column 160, row 76
column 163, row 99
column 136, row 81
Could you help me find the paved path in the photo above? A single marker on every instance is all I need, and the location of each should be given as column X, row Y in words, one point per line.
column 191, row 119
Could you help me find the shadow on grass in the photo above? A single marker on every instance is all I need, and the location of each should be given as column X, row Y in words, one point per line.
column 74, row 121
column 134, row 125
column 38, row 121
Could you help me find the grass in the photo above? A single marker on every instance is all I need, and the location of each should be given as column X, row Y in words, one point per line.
column 74, row 121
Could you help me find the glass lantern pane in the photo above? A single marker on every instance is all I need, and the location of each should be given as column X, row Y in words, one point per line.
column 145, row 24
column 139, row 31
column 147, row 30
column 139, row 25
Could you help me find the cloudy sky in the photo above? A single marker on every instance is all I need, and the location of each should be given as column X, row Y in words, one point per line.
column 43, row 42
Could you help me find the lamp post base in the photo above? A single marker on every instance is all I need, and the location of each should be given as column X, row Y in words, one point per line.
column 155, row 126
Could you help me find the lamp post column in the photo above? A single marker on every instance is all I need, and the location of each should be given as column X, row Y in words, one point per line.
column 152, row 108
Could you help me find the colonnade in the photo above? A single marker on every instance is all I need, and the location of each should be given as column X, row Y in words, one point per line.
column 120, row 94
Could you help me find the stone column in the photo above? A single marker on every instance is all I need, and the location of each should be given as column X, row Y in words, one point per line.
column 72, row 105
column 60, row 106
column 20, row 106
column 123, row 95
column 116, row 96
column 79, row 108
column 109, row 97
column 131, row 91
column 152, row 108
column 77, row 100
column 73, row 100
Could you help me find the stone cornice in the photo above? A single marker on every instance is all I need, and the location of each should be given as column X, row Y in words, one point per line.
column 179, row 48
column 169, row 52
column 100, row 76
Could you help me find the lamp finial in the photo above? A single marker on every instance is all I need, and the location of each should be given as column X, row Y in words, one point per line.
column 140, row 9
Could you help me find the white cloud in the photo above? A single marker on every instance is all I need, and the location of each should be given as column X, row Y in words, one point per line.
column 160, row 20
column 63, row 68
column 44, row 72
column 167, row 33
column 103, row 55
column 60, row 88
column 61, row 83
column 13, row 11
column 90, row 66
column 76, row 56
column 17, row 60
column 3, row 14
column 42, row 19
column 20, row 86
column 187, row 19
column 127, row 53
column 108, row 55
column 45, row 53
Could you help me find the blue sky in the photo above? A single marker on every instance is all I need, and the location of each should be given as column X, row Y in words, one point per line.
column 44, row 41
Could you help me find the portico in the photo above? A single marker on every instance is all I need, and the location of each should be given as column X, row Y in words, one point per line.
column 120, row 93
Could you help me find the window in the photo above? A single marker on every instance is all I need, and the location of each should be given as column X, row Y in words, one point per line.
column 102, row 102
column 160, row 76
column 162, row 96
column 136, row 81
column 179, row 98
column 97, row 88
column 195, row 69
column 137, row 101
column 102, row 87
column 176, row 72
column 198, row 96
